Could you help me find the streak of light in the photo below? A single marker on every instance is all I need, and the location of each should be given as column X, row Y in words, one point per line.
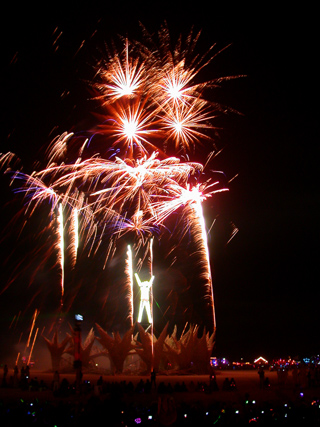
column 35, row 315
column 61, row 248
column 31, row 350
column 129, row 274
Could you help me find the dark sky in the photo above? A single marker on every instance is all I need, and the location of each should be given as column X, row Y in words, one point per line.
column 266, row 278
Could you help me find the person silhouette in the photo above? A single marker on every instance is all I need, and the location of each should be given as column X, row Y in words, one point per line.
column 144, row 297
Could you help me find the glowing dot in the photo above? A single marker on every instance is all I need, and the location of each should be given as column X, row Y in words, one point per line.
column 127, row 90
column 178, row 126
column 130, row 129
column 174, row 92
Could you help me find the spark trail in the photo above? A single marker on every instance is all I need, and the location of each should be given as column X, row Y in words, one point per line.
column 129, row 274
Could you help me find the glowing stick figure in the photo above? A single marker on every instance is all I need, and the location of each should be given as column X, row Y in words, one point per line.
column 144, row 297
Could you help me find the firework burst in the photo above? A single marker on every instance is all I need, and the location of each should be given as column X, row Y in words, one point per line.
column 120, row 76
column 129, row 186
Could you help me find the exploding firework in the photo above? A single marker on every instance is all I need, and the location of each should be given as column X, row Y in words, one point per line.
column 120, row 182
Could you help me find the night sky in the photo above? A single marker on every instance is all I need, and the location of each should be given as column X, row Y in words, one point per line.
column 266, row 282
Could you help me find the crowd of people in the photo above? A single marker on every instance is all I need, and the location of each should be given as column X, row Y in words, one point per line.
column 148, row 401
column 162, row 411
